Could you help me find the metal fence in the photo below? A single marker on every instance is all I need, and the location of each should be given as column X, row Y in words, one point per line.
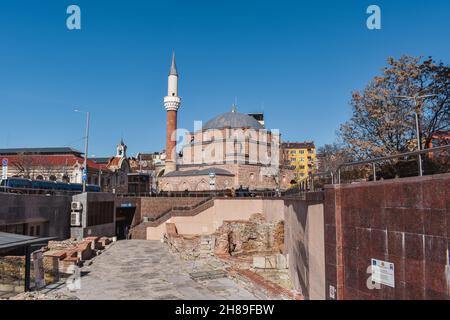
column 413, row 163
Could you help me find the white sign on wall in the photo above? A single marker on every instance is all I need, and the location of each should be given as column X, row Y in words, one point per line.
column 332, row 292
column 383, row 272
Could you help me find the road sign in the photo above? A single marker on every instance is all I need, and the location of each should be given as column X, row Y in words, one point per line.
column 4, row 169
column 84, row 175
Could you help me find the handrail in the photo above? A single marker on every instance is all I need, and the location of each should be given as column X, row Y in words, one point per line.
column 406, row 154
column 373, row 161
column 181, row 208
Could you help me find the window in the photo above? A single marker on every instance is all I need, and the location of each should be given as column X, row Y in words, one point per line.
column 32, row 231
column 52, row 178
column 38, row 231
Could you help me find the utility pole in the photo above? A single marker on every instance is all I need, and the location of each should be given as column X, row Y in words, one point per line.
column 416, row 113
column 86, row 149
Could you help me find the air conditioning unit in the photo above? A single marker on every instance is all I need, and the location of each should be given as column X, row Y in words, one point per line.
column 77, row 206
column 75, row 219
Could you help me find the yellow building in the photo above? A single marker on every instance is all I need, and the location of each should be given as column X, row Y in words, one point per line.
column 301, row 156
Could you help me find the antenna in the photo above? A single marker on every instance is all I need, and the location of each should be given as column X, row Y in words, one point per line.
column 234, row 107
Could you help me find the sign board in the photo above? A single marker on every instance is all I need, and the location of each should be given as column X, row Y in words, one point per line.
column 448, row 266
column 383, row 272
column 4, row 169
column 332, row 292
column 126, row 205
column 84, row 175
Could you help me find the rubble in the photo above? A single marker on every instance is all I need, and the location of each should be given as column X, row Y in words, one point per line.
column 241, row 237
column 59, row 261
column 36, row 295
column 188, row 246
column 251, row 252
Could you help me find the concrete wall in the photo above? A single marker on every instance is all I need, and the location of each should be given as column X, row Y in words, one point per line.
column 404, row 221
column 53, row 211
column 304, row 243
column 212, row 218
column 107, row 229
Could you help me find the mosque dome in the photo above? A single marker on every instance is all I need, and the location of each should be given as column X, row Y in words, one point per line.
column 232, row 120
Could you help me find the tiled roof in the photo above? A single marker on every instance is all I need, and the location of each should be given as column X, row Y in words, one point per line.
column 47, row 151
column 297, row 145
column 103, row 160
column 46, row 160
column 114, row 162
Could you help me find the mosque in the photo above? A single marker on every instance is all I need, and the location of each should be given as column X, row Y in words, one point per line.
column 230, row 151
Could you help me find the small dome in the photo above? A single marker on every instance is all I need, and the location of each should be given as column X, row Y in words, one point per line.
column 232, row 120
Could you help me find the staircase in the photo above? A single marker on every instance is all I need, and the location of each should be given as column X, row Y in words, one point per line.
column 139, row 231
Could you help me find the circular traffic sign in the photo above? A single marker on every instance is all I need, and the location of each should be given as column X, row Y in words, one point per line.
column 5, row 162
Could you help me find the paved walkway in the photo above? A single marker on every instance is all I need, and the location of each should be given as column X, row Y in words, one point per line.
column 146, row 270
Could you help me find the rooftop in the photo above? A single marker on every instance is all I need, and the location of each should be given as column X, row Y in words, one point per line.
column 233, row 120
column 12, row 240
column 43, row 151
column 298, row 145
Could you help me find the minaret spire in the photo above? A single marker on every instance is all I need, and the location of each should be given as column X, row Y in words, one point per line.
column 173, row 67
column 172, row 103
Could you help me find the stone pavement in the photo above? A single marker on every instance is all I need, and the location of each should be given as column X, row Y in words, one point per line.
column 146, row 270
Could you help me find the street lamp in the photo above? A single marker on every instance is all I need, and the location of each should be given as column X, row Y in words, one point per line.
column 419, row 143
column 86, row 143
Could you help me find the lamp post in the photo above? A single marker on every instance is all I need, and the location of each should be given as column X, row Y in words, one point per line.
column 86, row 144
column 416, row 113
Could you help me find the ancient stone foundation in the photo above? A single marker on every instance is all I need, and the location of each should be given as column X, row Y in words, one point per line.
column 249, row 237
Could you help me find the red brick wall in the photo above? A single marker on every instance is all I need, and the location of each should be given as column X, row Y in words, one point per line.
column 405, row 221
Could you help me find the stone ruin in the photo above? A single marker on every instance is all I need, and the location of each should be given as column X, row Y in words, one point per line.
column 238, row 239
column 243, row 238
column 59, row 258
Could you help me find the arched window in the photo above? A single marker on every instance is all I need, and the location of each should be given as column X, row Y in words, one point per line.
column 53, row 178
column 39, row 177
column 66, row 178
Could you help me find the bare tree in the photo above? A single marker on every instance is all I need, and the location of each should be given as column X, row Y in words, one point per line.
column 331, row 156
column 383, row 124
column 24, row 165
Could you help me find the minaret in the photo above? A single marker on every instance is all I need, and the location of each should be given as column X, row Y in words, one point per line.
column 172, row 103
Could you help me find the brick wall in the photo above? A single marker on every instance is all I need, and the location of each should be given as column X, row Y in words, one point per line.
column 404, row 221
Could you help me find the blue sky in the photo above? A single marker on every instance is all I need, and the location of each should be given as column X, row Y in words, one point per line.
column 297, row 61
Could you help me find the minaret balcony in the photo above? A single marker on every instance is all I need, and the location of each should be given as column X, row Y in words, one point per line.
column 172, row 103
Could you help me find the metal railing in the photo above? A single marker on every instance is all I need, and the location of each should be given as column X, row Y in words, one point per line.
column 20, row 190
column 336, row 175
